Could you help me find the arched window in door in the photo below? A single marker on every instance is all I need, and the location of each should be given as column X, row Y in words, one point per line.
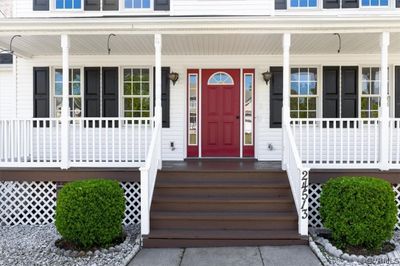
column 220, row 78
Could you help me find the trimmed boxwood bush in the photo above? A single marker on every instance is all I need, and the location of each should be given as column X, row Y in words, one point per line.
column 360, row 211
column 89, row 213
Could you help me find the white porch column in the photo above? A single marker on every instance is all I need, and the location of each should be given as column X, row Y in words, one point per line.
column 286, row 42
column 65, row 44
column 384, row 108
column 158, row 107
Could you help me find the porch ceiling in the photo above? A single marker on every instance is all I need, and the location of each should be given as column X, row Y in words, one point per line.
column 206, row 44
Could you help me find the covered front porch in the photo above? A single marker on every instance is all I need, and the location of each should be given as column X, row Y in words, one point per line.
column 91, row 99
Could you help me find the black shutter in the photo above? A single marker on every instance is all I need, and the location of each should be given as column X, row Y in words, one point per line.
column 41, row 5
column 110, row 92
column 349, row 3
column 165, row 95
column 161, row 5
column 92, row 92
column 397, row 91
column 6, row 59
column 330, row 92
column 397, row 3
column 41, row 92
column 280, row 4
column 349, row 92
column 92, row 5
column 331, row 4
column 275, row 97
column 110, row 4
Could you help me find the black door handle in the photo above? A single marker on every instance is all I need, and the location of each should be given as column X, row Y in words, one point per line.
column 238, row 116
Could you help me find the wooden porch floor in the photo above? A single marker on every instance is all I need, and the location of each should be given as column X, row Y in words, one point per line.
column 216, row 165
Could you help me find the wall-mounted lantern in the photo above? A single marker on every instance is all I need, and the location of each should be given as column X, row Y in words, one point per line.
column 267, row 76
column 173, row 76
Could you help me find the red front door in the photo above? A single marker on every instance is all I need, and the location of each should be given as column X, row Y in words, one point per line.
column 220, row 113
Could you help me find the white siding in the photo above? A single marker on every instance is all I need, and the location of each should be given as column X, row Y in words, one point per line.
column 177, row 131
column 221, row 7
column 7, row 94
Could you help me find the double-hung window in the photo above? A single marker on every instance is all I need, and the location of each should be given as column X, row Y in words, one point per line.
column 75, row 97
column 375, row 3
column 136, row 94
column 303, row 93
column 137, row 4
column 303, row 3
column 68, row 4
column 370, row 92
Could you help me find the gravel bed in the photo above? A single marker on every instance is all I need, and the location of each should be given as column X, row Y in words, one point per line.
column 330, row 255
column 34, row 245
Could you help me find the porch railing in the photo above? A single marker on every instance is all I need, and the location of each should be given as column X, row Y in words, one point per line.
column 298, row 179
column 338, row 143
column 30, row 142
column 92, row 142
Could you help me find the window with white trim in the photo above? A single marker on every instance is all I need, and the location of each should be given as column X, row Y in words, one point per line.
column 303, row 92
column 136, row 92
column 193, row 110
column 68, row 4
column 75, row 92
column 137, row 4
column 370, row 92
column 377, row 3
column 303, row 3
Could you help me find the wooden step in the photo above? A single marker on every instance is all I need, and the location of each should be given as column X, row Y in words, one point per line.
column 225, row 234
column 240, row 192
column 197, row 243
column 259, row 206
column 223, row 221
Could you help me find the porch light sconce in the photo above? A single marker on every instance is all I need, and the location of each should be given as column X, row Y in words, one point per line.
column 267, row 76
column 108, row 42
column 10, row 50
column 173, row 76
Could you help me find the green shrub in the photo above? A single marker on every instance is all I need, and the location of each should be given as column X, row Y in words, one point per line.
column 360, row 211
column 89, row 213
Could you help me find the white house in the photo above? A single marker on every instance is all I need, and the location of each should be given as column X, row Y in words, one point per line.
column 220, row 118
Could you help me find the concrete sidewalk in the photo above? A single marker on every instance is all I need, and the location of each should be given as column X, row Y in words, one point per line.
column 233, row 256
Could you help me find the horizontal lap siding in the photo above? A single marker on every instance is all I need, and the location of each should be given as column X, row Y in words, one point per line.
column 221, row 7
column 7, row 95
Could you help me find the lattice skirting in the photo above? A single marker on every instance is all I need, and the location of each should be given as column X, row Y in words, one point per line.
column 314, row 219
column 33, row 203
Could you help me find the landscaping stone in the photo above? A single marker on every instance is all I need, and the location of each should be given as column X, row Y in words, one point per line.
column 34, row 245
column 330, row 255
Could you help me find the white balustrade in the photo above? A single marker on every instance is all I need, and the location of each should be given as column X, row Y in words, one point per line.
column 337, row 142
column 30, row 142
column 93, row 142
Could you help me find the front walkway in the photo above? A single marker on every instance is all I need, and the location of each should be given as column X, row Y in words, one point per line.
column 233, row 256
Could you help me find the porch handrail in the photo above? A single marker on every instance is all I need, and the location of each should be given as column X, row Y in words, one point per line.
column 298, row 178
column 148, row 175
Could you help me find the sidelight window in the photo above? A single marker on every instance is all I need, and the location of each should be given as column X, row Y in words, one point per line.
column 193, row 109
column 248, row 108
